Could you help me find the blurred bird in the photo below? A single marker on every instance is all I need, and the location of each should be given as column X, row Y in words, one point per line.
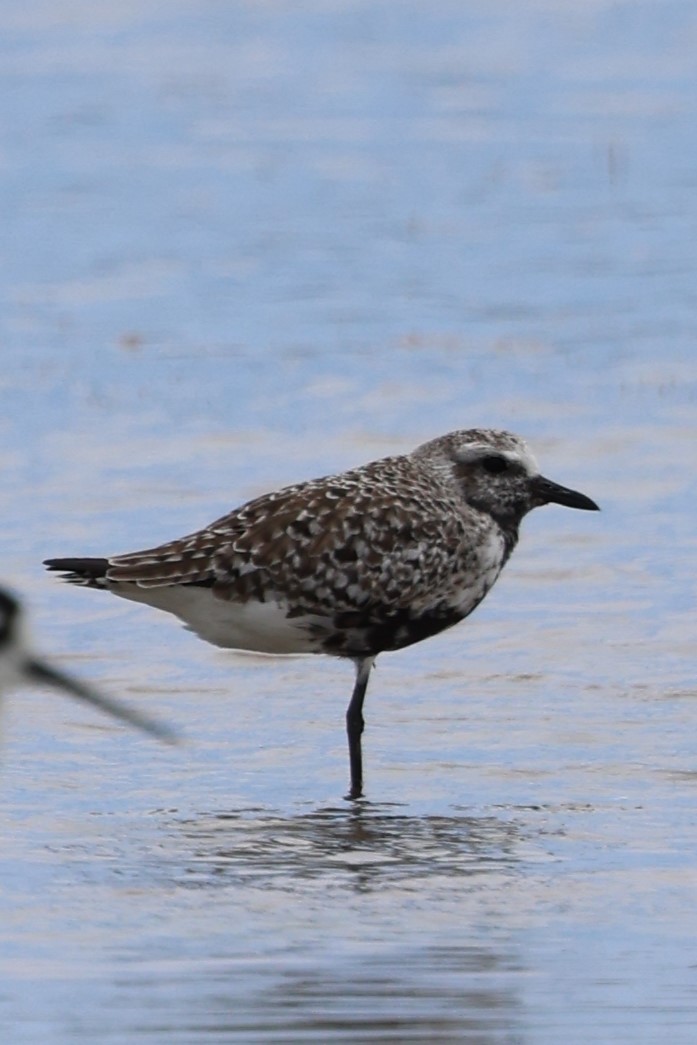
column 20, row 667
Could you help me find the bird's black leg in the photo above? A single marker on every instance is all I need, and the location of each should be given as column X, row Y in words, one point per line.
column 355, row 723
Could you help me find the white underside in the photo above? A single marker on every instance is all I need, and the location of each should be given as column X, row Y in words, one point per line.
column 264, row 627
column 259, row 626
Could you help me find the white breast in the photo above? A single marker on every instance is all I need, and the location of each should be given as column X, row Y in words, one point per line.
column 490, row 557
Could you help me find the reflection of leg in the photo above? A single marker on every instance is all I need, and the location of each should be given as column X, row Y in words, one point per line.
column 355, row 724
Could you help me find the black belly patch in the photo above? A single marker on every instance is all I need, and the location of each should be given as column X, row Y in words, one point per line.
column 361, row 635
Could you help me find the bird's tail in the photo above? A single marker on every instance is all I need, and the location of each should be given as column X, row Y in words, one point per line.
column 90, row 573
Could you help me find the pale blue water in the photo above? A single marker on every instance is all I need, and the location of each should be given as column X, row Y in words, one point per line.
column 248, row 243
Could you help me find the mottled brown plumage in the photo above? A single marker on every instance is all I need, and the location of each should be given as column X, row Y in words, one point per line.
column 354, row 564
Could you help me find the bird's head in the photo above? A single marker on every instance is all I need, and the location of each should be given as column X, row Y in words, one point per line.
column 496, row 473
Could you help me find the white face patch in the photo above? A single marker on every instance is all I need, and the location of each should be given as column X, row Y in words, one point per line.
column 521, row 455
column 524, row 458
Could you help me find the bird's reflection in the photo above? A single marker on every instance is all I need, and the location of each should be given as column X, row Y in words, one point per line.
column 376, row 916
column 458, row 992
column 363, row 845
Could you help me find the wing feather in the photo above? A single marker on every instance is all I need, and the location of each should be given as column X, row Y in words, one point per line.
column 373, row 536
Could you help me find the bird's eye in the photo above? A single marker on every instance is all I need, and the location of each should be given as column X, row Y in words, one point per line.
column 493, row 464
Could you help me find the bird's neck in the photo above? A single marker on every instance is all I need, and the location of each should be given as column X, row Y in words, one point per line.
column 508, row 526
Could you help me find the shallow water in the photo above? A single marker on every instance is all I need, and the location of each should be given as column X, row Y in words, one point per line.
column 250, row 243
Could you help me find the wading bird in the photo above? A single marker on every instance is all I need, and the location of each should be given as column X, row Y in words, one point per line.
column 352, row 565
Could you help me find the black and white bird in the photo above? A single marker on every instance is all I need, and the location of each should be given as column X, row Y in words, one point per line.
column 352, row 565
column 19, row 667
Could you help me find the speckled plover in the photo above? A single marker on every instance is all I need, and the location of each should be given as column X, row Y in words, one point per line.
column 352, row 565
column 20, row 667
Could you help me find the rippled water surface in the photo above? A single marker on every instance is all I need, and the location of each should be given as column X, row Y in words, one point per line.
column 248, row 243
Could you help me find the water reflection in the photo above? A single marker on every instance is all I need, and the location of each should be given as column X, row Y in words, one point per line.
column 339, row 877
column 364, row 846
column 455, row 993
column 320, row 927
column 459, row 992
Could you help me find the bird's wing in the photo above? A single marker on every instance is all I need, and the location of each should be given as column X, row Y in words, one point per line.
column 333, row 544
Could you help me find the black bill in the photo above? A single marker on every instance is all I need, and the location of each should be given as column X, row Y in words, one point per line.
column 552, row 493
